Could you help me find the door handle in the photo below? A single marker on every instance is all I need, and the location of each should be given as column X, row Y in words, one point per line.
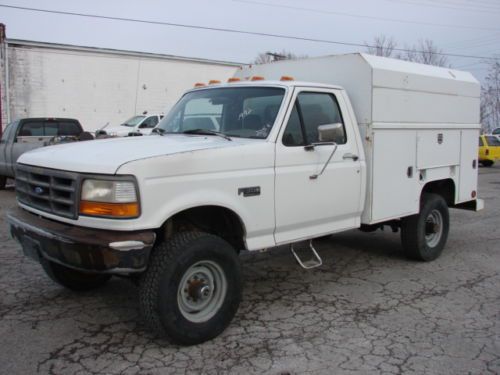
column 350, row 156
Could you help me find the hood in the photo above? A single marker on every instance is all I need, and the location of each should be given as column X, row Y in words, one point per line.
column 105, row 156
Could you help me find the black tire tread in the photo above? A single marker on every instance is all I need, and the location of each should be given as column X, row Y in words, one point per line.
column 165, row 255
column 413, row 244
column 3, row 182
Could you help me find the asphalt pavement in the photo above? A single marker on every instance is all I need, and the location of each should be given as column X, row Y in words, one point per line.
column 367, row 310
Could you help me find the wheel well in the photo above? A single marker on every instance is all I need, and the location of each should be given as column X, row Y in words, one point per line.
column 444, row 188
column 216, row 220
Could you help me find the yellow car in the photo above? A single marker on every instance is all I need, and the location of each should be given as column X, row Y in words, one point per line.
column 489, row 149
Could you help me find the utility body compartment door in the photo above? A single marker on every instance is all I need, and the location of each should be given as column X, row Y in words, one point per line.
column 394, row 189
column 310, row 207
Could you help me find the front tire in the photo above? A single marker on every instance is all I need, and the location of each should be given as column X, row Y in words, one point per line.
column 192, row 287
column 3, row 182
column 73, row 279
column 487, row 163
column 424, row 235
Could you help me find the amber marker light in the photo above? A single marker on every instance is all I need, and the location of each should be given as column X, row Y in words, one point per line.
column 257, row 78
column 118, row 210
column 286, row 78
column 199, row 84
column 213, row 82
column 233, row 79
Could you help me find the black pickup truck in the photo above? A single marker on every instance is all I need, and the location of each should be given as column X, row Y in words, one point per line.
column 27, row 134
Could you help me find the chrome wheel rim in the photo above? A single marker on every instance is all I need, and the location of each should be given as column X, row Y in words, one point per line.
column 202, row 291
column 433, row 228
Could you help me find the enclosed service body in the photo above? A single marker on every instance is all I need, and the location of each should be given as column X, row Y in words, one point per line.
column 419, row 123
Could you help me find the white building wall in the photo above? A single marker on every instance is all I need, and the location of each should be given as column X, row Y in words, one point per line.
column 98, row 87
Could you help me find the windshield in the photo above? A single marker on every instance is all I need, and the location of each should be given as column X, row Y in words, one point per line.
column 247, row 112
column 492, row 140
column 133, row 121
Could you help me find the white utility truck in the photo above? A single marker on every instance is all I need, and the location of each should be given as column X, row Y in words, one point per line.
column 353, row 141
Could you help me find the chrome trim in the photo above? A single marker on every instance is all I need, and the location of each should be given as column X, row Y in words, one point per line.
column 127, row 245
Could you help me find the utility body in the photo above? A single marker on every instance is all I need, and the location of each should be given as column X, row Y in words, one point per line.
column 355, row 141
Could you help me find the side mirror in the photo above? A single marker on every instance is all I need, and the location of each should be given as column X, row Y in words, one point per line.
column 331, row 133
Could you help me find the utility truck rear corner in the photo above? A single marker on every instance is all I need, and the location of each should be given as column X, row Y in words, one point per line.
column 354, row 141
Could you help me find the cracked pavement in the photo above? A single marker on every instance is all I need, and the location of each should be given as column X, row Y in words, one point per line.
column 367, row 310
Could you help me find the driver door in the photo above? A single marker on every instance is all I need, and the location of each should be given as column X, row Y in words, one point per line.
column 308, row 207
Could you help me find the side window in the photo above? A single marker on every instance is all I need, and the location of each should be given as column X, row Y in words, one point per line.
column 69, row 128
column 310, row 111
column 31, row 129
column 319, row 109
column 481, row 143
column 150, row 122
column 293, row 133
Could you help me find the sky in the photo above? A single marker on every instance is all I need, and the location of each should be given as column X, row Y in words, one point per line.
column 464, row 27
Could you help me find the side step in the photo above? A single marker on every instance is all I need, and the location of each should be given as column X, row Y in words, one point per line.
column 314, row 262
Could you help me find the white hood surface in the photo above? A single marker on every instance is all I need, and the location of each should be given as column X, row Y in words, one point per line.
column 105, row 156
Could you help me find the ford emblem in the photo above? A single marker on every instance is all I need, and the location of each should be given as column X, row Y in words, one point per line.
column 39, row 190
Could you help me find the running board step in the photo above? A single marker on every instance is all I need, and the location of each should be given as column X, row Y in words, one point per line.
column 314, row 262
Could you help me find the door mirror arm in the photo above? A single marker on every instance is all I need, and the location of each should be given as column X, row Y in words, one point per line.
column 312, row 146
column 335, row 146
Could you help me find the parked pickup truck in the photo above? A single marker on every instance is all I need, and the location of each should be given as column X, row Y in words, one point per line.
column 30, row 133
column 291, row 161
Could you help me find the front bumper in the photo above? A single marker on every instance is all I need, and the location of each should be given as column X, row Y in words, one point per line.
column 83, row 249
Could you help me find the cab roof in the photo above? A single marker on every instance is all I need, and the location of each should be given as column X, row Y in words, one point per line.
column 272, row 83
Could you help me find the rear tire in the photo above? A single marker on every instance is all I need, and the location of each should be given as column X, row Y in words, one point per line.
column 424, row 235
column 3, row 182
column 487, row 163
column 72, row 279
column 192, row 287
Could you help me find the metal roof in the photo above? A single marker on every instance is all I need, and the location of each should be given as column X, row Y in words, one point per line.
column 109, row 51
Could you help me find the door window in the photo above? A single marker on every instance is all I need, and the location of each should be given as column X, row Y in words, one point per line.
column 310, row 111
column 150, row 122
column 293, row 134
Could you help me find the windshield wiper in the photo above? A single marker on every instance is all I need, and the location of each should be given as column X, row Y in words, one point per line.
column 207, row 132
column 159, row 131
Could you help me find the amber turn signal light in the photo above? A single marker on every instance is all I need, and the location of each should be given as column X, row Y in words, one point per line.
column 213, row 82
column 199, row 84
column 257, row 78
column 286, row 78
column 119, row 210
column 233, row 79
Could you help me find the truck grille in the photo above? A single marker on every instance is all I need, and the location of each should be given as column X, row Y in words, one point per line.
column 48, row 190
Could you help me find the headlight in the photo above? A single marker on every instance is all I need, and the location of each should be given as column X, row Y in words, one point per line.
column 107, row 198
